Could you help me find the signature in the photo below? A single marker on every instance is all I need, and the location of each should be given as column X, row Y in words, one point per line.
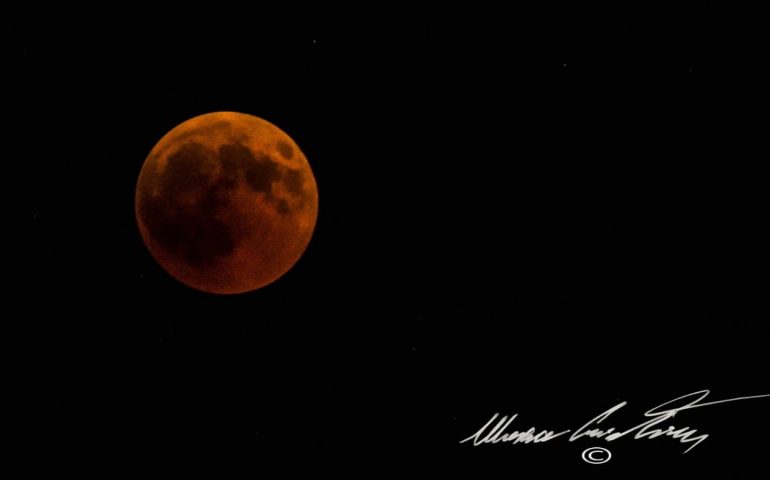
column 496, row 429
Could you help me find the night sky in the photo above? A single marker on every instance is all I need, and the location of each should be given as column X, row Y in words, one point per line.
column 535, row 215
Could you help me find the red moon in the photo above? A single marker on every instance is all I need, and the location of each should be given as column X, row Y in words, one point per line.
column 226, row 202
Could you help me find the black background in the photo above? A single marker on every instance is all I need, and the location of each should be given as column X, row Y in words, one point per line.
column 519, row 213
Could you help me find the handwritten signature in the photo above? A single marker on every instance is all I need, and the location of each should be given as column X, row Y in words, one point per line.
column 493, row 432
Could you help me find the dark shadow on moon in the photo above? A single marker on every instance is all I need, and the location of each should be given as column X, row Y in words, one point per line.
column 183, row 218
column 181, row 137
column 293, row 181
column 283, row 206
column 235, row 158
column 188, row 168
column 262, row 173
column 195, row 235
column 285, row 149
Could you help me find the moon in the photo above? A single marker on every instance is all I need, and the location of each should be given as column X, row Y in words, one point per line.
column 226, row 202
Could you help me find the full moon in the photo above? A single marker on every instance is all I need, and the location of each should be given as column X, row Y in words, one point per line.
column 226, row 202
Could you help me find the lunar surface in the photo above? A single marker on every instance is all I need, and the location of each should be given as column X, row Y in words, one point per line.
column 226, row 202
